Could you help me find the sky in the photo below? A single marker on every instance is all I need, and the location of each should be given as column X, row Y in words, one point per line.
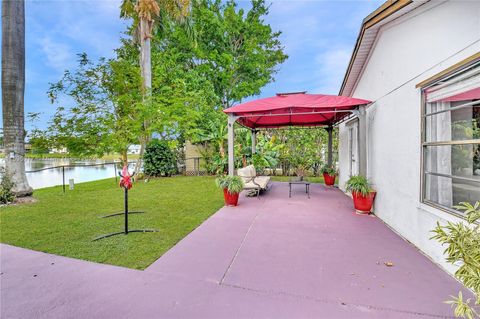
column 317, row 35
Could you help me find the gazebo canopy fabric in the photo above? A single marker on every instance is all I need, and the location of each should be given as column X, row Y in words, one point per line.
column 294, row 109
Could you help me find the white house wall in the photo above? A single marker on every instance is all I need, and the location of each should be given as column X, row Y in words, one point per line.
column 407, row 51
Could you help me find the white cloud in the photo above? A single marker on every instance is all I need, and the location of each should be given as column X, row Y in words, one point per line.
column 331, row 66
column 94, row 24
column 57, row 55
column 300, row 23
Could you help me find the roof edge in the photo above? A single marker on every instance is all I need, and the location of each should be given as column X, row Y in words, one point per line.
column 384, row 11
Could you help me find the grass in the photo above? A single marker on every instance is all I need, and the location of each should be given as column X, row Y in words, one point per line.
column 65, row 224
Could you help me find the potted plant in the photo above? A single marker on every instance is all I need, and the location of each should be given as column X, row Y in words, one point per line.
column 362, row 193
column 232, row 186
column 329, row 175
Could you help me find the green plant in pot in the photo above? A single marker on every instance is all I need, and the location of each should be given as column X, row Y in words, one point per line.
column 232, row 186
column 461, row 241
column 329, row 175
column 362, row 193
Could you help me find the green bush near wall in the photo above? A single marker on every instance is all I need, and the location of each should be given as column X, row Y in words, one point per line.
column 159, row 159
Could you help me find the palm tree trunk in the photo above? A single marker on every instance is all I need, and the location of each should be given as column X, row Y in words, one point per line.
column 124, row 157
column 13, row 90
column 146, row 72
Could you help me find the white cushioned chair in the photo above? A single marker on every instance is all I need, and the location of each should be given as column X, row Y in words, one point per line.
column 251, row 180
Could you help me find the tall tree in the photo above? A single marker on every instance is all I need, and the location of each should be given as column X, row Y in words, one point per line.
column 235, row 49
column 107, row 111
column 13, row 91
column 144, row 13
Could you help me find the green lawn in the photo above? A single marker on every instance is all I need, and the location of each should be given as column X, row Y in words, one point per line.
column 65, row 224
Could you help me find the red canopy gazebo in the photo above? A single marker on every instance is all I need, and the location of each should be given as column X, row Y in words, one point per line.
column 291, row 109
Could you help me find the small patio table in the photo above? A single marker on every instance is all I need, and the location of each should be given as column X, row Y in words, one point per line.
column 297, row 181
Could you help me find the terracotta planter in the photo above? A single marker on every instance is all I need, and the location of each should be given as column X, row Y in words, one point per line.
column 363, row 204
column 230, row 199
column 329, row 179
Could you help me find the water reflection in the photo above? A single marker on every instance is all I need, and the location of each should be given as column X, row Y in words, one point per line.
column 54, row 176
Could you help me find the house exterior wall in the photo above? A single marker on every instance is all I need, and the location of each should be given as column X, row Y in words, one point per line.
column 407, row 51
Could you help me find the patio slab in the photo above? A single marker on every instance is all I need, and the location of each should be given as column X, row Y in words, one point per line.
column 273, row 257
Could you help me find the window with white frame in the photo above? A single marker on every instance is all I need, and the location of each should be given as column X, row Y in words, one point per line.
column 451, row 140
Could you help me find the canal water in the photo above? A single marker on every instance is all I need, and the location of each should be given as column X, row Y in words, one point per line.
column 39, row 176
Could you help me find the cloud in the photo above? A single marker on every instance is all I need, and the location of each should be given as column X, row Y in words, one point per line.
column 57, row 55
column 319, row 37
column 56, row 31
column 331, row 66
column 98, row 28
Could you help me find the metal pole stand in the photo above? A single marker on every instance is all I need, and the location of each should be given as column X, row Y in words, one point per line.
column 126, row 230
column 121, row 213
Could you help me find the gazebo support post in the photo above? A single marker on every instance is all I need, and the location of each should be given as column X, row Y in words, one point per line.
column 362, row 140
column 231, row 140
column 254, row 141
column 330, row 145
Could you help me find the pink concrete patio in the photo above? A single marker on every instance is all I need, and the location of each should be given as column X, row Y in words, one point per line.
column 276, row 257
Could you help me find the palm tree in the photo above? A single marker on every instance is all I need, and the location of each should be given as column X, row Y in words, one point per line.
column 144, row 13
column 13, row 90
column 216, row 134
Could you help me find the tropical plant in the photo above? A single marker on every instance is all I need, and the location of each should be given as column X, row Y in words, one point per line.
column 358, row 184
column 215, row 133
column 463, row 249
column 304, row 149
column 144, row 13
column 222, row 181
column 234, row 184
column 159, row 159
column 6, row 188
column 242, row 146
column 219, row 164
column 13, row 91
column 329, row 170
column 268, row 152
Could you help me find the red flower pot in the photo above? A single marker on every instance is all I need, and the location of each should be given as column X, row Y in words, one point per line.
column 329, row 179
column 230, row 199
column 362, row 203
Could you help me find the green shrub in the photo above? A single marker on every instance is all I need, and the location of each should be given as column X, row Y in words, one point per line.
column 463, row 249
column 329, row 170
column 219, row 164
column 234, row 184
column 159, row 159
column 6, row 186
column 358, row 184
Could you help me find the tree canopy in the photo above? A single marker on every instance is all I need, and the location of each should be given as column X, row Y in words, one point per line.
column 102, row 108
column 236, row 50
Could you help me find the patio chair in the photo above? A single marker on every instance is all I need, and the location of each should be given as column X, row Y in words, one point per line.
column 252, row 181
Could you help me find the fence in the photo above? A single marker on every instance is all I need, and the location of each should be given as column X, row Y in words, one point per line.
column 60, row 171
column 192, row 166
column 196, row 166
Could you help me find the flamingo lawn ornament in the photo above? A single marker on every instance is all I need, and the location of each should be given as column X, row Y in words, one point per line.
column 126, row 184
column 126, row 178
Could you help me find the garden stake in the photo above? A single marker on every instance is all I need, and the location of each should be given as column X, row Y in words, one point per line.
column 126, row 184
